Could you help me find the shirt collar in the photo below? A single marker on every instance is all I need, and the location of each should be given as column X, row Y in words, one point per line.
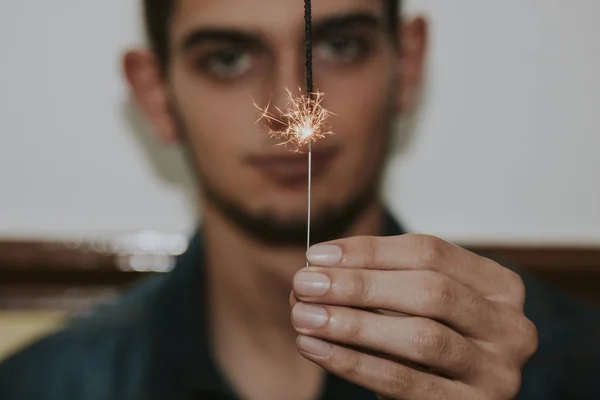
column 180, row 363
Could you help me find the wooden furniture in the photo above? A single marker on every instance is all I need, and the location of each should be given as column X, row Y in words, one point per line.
column 68, row 276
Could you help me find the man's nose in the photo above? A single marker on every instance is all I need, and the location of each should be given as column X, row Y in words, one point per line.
column 289, row 77
column 286, row 85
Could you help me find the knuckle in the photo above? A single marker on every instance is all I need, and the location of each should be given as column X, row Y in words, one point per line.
column 529, row 337
column 479, row 394
column 437, row 295
column 348, row 329
column 371, row 250
column 360, row 287
column 400, row 381
column 430, row 344
column 510, row 384
column 350, row 365
column 515, row 282
column 500, row 383
column 431, row 250
column 500, row 379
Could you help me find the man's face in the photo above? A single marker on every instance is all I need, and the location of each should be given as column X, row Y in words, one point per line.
column 226, row 55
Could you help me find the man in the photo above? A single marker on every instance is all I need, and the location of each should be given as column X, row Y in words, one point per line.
column 378, row 312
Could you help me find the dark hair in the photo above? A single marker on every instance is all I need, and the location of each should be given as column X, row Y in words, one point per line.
column 157, row 14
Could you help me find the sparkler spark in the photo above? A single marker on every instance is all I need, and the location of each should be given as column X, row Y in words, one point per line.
column 304, row 120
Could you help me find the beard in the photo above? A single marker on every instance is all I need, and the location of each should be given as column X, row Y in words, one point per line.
column 328, row 223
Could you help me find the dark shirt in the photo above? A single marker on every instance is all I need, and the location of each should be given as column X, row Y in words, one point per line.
column 154, row 344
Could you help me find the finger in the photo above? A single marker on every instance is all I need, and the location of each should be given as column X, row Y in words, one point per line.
column 379, row 375
column 293, row 299
column 418, row 340
column 420, row 252
column 424, row 294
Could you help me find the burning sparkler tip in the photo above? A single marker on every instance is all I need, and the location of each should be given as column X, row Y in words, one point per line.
column 304, row 121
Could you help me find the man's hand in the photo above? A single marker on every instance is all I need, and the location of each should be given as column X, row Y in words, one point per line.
column 413, row 317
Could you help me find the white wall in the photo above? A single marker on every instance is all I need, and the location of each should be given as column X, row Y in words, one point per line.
column 506, row 147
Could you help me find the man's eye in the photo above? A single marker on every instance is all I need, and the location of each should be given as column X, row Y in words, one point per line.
column 229, row 63
column 342, row 48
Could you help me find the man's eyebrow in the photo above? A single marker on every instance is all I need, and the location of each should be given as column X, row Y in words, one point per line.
column 320, row 28
column 211, row 35
column 346, row 21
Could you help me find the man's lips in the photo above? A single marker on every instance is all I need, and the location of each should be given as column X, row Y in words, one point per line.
column 292, row 168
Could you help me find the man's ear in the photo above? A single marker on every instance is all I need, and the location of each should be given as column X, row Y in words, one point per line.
column 147, row 85
column 413, row 47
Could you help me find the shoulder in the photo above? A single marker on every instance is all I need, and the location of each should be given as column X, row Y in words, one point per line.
column 567, row 362
column 99, row 355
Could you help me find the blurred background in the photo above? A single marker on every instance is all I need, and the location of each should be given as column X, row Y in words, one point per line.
column 502, row 154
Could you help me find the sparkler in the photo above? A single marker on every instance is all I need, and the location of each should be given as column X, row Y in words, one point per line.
column 305, row 118
column 303, row 122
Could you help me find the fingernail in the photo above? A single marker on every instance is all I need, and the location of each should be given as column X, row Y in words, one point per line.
column 311, row 284
column 324, row 255
column 315, row 347
column 309, row 316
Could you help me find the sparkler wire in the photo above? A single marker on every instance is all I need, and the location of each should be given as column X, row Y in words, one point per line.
column 309, row 93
